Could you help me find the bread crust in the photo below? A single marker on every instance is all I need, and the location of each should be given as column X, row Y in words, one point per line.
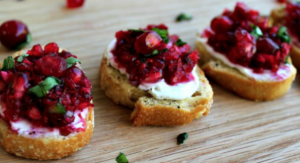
column 151, row 111
column 277, row 16
column 45, row 148
column 240, row 84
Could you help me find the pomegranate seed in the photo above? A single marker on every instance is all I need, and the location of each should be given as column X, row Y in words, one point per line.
column 74, row 3
column 36, row 50
column 51, row 65
column 34, row 113
column 74, row 74
column 14, row 34
column 51, row 48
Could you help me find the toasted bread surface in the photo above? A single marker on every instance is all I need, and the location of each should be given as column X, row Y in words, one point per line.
column 151, row 111
column 242, row 85
column 277, row 16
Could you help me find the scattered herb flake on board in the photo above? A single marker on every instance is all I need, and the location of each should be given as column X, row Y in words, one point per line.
column 182, row 137
column 121, row 158
column 183, row 16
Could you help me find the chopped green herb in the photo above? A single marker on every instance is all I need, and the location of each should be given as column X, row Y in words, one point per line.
column 183, row 16
column 42, row 89
column 22, row 45
column 22, row 57
column 71, row 61
column 283, row 35
column 162, row 33
column 8, row 63
column 155, row 52
column 179, row 42
column 287, row 59
column 121, row 158
column 137, row 30
column 182, row 137
column 57, row 109
column 256, row 32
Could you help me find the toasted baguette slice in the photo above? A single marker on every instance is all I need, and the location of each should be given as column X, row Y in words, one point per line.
column 151, row 111
column 242, row 85
column 277, row 16
column 45, row 148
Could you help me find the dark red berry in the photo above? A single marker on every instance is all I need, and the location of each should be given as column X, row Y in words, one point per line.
column 51, row 65
column 220, row 24
column 51, row 48
column 74, row 3
column 148, row 42
column 14, row 34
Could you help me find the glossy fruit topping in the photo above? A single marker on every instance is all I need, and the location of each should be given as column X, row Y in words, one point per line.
column 14, row 34
column 44, row 88
column 248, row 39
column 292, row 19
column 74, row 3
column 151, row 54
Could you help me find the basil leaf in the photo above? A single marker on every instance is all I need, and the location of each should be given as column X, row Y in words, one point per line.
column 162, row 33
column 121, row 158
column 136, row 30
column 256, row 32
column 8, row 63
column 22, row 57
column 182, row 137
column 179, row 42
column 42, row 89
column 22, row 45
column 283, row 34
column 183, row 16
column 57, row 109
column 71, row 61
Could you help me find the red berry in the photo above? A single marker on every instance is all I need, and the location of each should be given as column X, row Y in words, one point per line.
column 51, row 48
column 14, row 34
column 36, row 50
column 74, row 74
column 148, row 42
column 34, row 113
column 266, row 46
column 220, row 24
column 282, row 1
column 74, row 3
column 51, row 65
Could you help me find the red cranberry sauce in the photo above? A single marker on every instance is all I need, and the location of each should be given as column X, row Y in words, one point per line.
column 247, row 39
column 56, row 108
column 151, row 54
column 292, row 19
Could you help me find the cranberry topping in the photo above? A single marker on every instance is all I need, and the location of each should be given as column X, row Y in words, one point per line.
column 14, row 34
column 74, row 3
column 151, row 54
column 292, row 19
column 247, row 39
column 44, row 88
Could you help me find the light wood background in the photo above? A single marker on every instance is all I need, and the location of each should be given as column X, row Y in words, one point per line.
column 236, row 130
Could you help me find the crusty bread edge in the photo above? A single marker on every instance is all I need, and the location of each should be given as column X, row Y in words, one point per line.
column 239, row 83
column 143, row 115
column 277, row 16
column 45, row 148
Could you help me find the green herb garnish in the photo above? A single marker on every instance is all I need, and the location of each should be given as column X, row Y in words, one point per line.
column 22, row 45
column 57, row 109
column 179, row 42
column 183, row 16
column 283, row 35
column 155, row 52
column 182, row 137
column 136, row 30
column 71, row 61
column 256, row 32
column 121, row 158
column 44, row 87
column 8, row 63
column 22, row 57
column 162, row 33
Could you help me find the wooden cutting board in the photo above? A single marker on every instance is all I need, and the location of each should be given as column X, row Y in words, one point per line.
column 236, row 130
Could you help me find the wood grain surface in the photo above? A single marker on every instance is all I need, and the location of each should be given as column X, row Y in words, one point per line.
column 236, row 130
